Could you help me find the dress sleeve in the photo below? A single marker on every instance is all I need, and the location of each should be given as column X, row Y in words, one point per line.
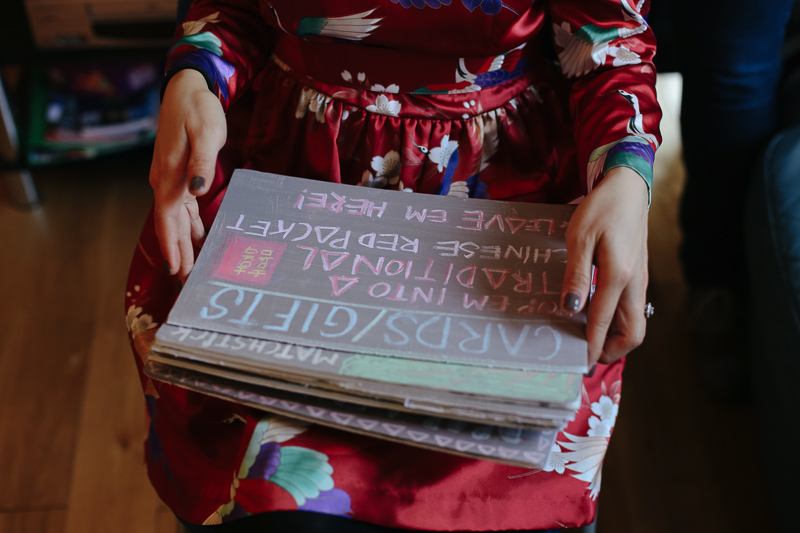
column 228, row 41
column 606, row 50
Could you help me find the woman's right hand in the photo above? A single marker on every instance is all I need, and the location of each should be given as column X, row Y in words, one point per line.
column 191, row 132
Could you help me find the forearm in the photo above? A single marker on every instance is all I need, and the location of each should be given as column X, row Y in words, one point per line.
column 606, row 49
column 228, row 42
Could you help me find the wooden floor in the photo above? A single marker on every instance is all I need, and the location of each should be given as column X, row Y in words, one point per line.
column 72, row 412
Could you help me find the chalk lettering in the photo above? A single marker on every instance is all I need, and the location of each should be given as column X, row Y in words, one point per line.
column 199, row 336
column 239, row 344
column 496, row 282
column 329, row 321
column 338, row 288
column 204, row 311
column 548, row 307
column 474, row 335
column 412, row 213
column 309, row 229
column 287, row 318
column 338, row 259
column 245, row 320
column 357, row 207
column 367, row 240
column 284, row 353
column 374, row 208
column 382, row 285
column 418, row 292
column 448, row 246
column 455, row 248
column 399, row 267
column 298, row 204
column 342, row 242
column 323, row 357
column 361, row 259
column 310, row 257
column 274, row 348
column 257, row 345
column 449, row 272
column 477, row 304
column 500, row 303
column 317, row 200
column 490, row 252
column 544, row 307
column 264, row 228
column 441, row 296
column 469, row 249
column 546, row 256
column 390, row 244
column 336, row 207
column 513, row 349
column 304, row 353
column 444, row 336
column 238, row 225
column 516, row 251
column 496, row 219
column 524, row 285
column 515, row 224
column 310, row 317
column 426, row 276
column 556, row 336
column 284, row 232
column 535, row 225
column 477, row 219
column 470, row 271
column 398, row 295
column 438, row 215
column 322, row 236
column 209, row 341
column 181, row 333
column 410, row 245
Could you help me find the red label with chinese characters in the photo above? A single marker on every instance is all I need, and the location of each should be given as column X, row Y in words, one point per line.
column 249, row 260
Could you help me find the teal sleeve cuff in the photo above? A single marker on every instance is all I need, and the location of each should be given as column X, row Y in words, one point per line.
column 634, row 162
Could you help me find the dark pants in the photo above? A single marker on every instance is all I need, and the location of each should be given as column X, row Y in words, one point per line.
column 729, row 54
column 773, row 249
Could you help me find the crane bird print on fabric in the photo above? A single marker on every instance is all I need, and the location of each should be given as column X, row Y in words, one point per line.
column 349, row 28
column 296, row 473
column 590, row 45
column 638, row 142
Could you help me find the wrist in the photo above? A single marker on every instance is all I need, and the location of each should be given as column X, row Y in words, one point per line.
column 634, row 178
column 626, row 186
column 188, row 79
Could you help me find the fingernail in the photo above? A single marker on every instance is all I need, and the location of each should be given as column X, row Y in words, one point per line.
column 167, row 267
column 591, row 371
column 572, row 301
column 180, row 285
column 197, row 183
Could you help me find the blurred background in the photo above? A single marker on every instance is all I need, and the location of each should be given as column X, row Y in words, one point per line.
column 80, row 81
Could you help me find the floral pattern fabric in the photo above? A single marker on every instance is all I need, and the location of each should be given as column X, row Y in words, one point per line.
column 515, row 100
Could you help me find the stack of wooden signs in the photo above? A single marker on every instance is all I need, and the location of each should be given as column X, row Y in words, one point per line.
column 428, row 320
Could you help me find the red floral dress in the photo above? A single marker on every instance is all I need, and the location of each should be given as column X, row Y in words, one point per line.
column 513, row 99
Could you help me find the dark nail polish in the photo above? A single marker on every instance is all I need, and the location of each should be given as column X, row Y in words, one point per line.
column 591, row 371
column 180, row 285
column 197, row 183
column 167, row 267
column 572, row 301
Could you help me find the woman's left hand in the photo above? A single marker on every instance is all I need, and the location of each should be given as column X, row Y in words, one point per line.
column 609, row 230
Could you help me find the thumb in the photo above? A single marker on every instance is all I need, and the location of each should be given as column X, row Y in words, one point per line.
column 201, row 166
column 577, row 276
